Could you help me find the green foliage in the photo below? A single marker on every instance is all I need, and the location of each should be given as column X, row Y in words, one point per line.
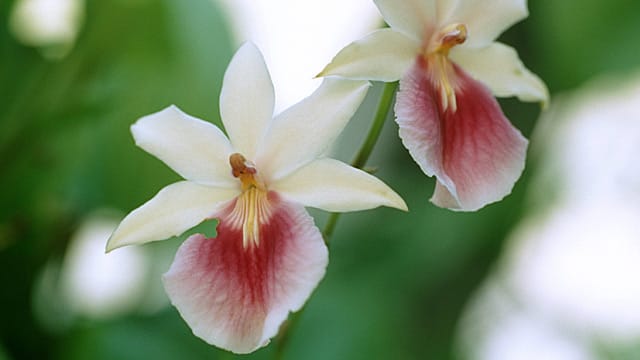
column 396, row 283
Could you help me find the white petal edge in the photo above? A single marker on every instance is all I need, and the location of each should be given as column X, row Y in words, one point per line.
column 332, row 185
column 383, row 55
column 195, row 149
column 175, row 209
column 444, row 198
column 411, row 17
column 246, row 99
column 499, row 67
column 485, row 19
column 303, row 132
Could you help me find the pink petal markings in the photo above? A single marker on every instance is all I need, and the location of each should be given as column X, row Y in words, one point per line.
column 472, row 148
column 236, row 297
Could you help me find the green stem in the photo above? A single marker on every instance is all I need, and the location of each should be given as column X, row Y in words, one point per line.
column 376, row 127
column 329, row 226
column 358, row 162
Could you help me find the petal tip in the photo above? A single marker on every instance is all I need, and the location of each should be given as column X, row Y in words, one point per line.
column 383, row 55
column 397, row 202
column 322, row 73
column 545, row 99
column 137, row 127
column 542, row 89
column 327, row 70
column 544, row 105
column 112, row 243
column 248, row 46
column 109, row 247
column 445, row 198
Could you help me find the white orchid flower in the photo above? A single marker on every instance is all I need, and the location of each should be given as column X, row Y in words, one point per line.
column 445, row 55
column 236, row 289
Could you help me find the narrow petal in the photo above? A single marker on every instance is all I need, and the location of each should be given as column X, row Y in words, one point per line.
column 246, row 99
column 499, row 67
column 175, row 209
column 474, row 152
column 236, row 297
column 485, row 19
column 411, row 17
column 383, row 55
column 304, row 131
column 195, row 149
column 332, row 185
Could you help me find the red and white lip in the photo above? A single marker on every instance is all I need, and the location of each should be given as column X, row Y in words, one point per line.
column 470, row 146
column 235, row 293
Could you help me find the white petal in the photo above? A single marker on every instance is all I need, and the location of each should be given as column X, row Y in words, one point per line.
column 195, row 149
column 411, row 17
column 332, row 185
column 304, row 131
column 383, row 55
column 246, row 99
column 175, row 209
column 499, row 67
column 485, row 19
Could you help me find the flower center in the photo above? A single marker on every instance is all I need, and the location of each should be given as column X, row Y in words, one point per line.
column 251, row 208
column 246, row 172
column 450, row 36
column 441, row 71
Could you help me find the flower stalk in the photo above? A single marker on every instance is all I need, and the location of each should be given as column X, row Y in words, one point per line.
column 360, row 160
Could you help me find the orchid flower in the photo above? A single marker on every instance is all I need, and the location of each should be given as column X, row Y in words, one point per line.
column 449, row 66
column 236, row 289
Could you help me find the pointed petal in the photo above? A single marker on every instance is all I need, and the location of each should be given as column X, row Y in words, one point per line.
column 175, row 209
column 474, row 152
column 332, row 185
column 383, row 55
column 195, row 149
column 411, row 17
column 235, row 297
column 246, row 99
column 485, row 19
column 304, row 131
column 499, row 67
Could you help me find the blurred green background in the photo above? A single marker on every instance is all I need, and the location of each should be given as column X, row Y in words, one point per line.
column 396, row 284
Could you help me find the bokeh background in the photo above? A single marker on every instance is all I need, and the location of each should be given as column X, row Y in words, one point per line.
column 548, row 273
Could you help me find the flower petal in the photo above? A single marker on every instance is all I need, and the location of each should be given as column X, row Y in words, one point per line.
column 246, row 99
column 411, row 17
column 332, row 185
column 304, row 131
column 499, row 67
column 474, row 152
column 195, row 149
column 485, row 19
column 236, row 297
column 175, row 209
column 383, row 55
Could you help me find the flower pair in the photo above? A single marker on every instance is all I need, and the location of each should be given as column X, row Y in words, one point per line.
column 236, row 289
